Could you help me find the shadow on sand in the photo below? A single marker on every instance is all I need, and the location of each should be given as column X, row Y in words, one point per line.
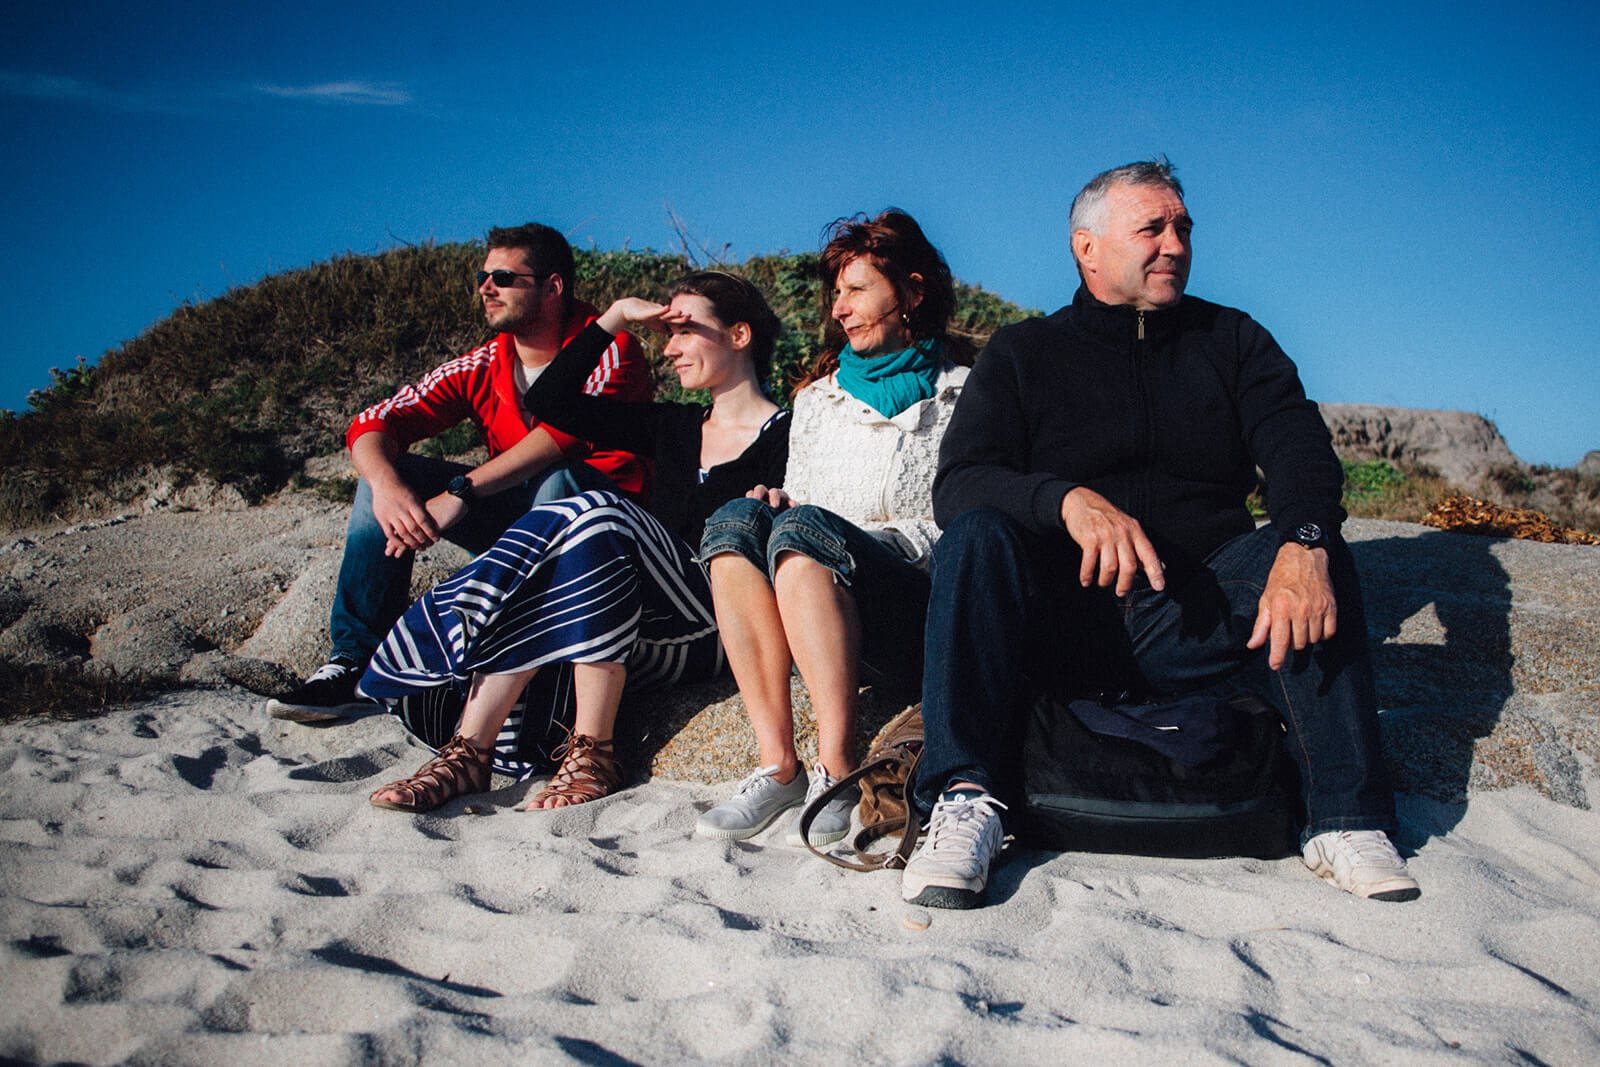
column 1439, row 619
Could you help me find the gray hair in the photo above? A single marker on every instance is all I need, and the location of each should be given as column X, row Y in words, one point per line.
column 1089, row 206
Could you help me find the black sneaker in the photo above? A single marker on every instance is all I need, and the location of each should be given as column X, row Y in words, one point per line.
column 329, row 694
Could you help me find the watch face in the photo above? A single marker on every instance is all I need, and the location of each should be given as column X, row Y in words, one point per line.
column 1308, row 533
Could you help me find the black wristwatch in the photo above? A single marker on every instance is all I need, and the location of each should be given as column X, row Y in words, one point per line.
column 462, row 489
column 1308, row 535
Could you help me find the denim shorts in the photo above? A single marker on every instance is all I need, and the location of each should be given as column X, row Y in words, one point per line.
column 890, row 592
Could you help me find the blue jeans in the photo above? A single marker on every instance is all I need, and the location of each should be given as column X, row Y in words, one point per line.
column 890, row 592
column 374, row 590
column 1006, row 613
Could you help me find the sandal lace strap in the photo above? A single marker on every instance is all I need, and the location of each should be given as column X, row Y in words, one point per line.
column 458, row 768
column 589, row 770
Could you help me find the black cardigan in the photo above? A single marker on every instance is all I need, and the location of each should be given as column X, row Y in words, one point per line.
column 668, row 433
column 1169, row 425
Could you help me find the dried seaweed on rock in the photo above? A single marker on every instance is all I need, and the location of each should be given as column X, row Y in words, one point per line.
column 1465, row 514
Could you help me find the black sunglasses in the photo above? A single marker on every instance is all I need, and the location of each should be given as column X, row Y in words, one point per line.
column 502, row 278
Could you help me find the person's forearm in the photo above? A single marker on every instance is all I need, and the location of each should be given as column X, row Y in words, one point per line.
column 529, row 456
column 557, row 394
column 373, row 455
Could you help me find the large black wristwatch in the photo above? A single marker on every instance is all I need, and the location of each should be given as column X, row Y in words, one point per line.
column 1308, row 534
column 462, row 489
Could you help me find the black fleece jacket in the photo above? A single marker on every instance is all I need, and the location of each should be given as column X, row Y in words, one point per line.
column 1165, row 413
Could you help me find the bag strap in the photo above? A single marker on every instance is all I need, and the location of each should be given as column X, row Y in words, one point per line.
column 910, row 831
column 869, row 861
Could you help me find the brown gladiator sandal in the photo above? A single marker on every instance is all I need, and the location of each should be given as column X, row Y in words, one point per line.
column 458, row 769
column 589, row 770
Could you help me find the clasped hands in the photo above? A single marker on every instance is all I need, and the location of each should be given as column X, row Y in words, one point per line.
column 410, row 524
column 1297, row 608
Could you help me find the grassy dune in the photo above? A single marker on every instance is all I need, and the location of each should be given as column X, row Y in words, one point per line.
column 241, row 390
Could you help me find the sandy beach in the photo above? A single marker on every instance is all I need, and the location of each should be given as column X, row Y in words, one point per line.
column 184, row 880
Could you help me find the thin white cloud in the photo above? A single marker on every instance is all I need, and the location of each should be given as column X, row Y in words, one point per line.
column 381, row 94
column 56, row 87
column 64, row 88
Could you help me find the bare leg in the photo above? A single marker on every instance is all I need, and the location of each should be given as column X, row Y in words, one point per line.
column 597, row 691
column 589, row 769
column 489, row 702
column 824, row 633
column 758, row 653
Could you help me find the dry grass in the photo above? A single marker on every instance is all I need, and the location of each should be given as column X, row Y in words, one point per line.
column 239, row 391
column 1541, row 504
column 1405, row 495
column 57, row 692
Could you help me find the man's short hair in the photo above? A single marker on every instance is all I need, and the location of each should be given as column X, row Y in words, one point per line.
column 1089, row 206
column 546, row 250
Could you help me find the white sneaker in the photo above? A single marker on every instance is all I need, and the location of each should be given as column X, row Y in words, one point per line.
column 951, row 868
column 833, row 821
column 759, row 799
column 1363, row 862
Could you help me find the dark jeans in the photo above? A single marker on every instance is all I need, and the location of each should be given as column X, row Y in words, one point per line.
column 890, row 593
column 374, row 590
column 1006, row 613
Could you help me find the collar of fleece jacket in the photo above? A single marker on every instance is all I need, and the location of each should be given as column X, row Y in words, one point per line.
column 1119, row 323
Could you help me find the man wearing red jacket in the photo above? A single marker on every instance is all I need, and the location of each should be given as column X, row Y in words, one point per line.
column 405, row 503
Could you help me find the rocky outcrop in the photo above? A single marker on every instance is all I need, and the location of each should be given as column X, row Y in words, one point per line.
column 1464, row 448
column 1487, row 650
column 1487, row 654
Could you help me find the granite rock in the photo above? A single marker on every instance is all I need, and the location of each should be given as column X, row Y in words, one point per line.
column 1487, row 650
column 1463, row 447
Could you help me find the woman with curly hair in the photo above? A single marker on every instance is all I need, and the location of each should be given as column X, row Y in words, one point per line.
column 828, row 572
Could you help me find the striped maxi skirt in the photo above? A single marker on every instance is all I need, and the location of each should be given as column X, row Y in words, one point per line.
column 589, row 579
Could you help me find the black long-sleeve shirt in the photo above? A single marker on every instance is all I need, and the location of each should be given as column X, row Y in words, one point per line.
column 668, row 433
column 1165, row 413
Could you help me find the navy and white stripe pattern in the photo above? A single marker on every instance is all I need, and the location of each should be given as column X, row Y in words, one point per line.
column 590, row 579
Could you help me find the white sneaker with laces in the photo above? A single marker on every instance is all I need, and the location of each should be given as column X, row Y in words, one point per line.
column 1363, row 862
column 951, row 868
column 833, row 821
column 758, row 800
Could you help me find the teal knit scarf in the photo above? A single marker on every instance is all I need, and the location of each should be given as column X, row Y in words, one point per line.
column 893, row 382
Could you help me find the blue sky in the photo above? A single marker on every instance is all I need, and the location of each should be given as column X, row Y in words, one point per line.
column 1405, row 195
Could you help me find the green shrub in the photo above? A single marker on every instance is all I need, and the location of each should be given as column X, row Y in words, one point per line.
column 1376, row 489
column 1366, row 479
column 1513, row 481
column 242, row 389
column 462, row 437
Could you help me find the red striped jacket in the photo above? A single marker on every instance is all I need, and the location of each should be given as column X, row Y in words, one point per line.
column 482, row 386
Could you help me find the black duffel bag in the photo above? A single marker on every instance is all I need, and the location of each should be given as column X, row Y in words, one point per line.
column 1196, row 776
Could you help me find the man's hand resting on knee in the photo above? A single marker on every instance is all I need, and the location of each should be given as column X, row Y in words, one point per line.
column 1297, row 608
column 1114, row 545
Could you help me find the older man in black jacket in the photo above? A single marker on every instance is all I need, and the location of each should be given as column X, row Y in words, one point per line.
column 1092, row 488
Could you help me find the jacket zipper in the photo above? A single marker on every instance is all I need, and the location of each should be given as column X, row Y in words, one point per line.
column 1141, row 370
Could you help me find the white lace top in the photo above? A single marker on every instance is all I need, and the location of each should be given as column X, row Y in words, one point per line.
column 876, row 472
